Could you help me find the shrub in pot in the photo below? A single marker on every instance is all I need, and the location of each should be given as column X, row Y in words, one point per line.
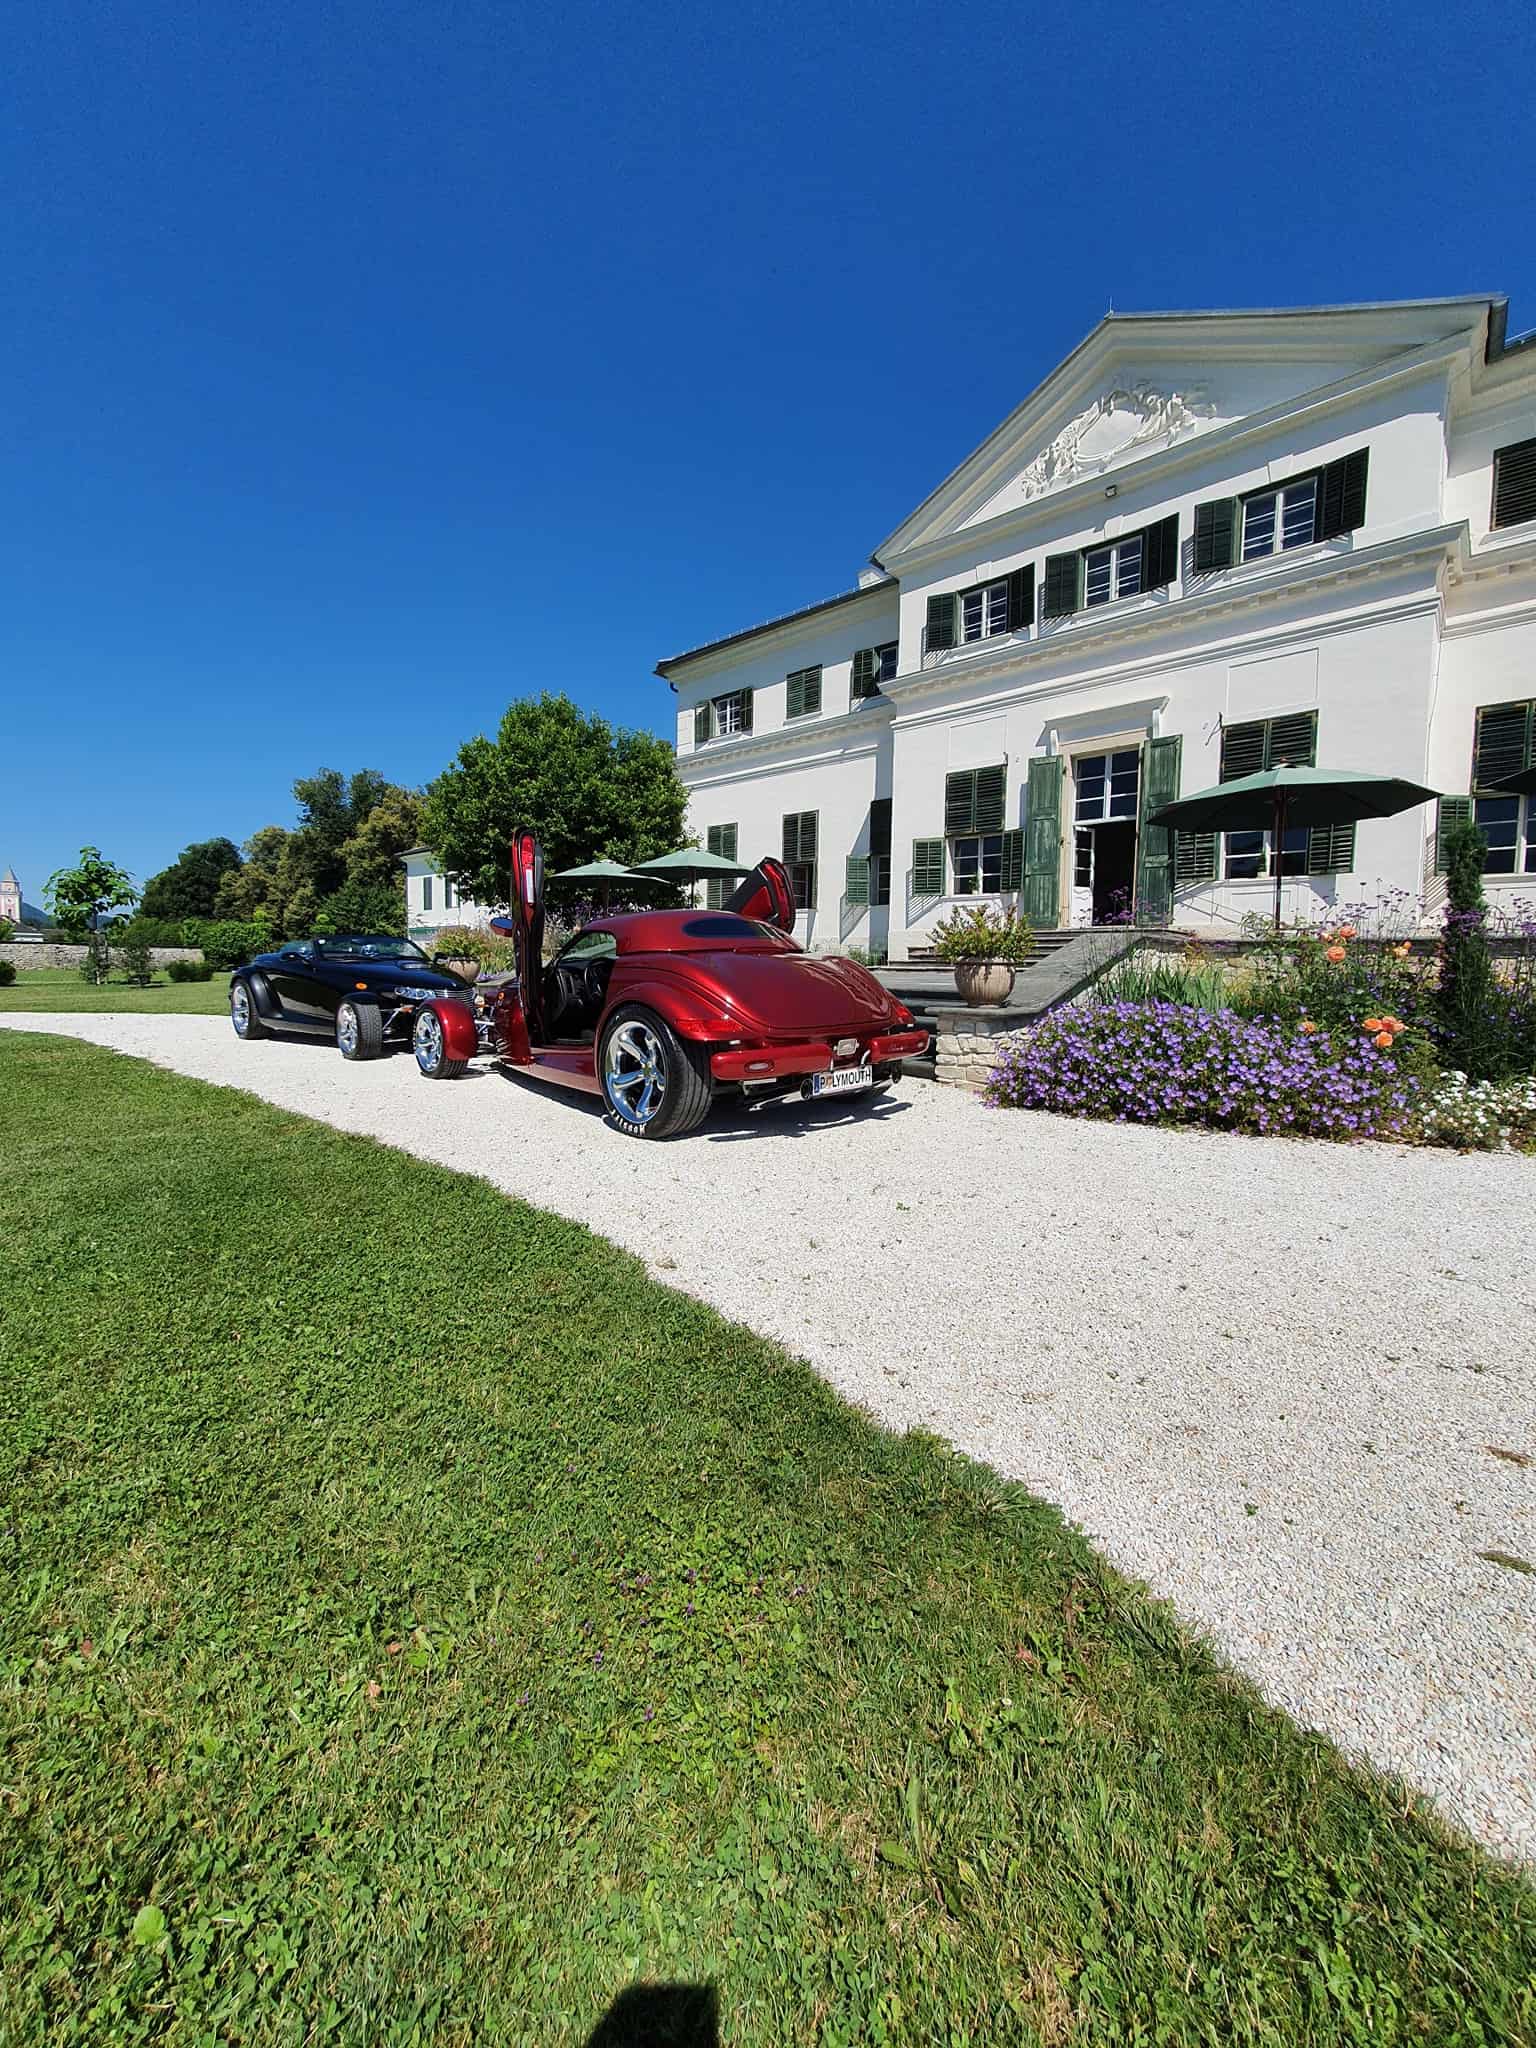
column 984, row 944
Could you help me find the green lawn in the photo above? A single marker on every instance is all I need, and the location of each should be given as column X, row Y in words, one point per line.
column 63, row 988
column 416, row 1625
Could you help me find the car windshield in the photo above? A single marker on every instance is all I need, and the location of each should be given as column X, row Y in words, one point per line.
column 374, row 948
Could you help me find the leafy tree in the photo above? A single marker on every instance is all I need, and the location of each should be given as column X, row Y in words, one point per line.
column 246, row 892
column 189, row 887
column 81, row 901
column 364, row 907
column 584, row 788
column 7, row 931
column 1468, row 996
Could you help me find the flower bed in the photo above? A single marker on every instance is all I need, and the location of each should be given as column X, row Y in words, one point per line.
column 1171, row 1063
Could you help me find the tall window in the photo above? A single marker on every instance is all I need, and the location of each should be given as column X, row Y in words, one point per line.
column 984, row 611
column 1505, row 742
column 1284, row 518
column 976, row 863
column 1106, row 785
column 720, row 839
column 426, row 892
column 799, row 853
column 450, row 895
column 729, row 714
column 872, row 666
column 880, row 850
column 802, row 693
column 1514, row 484
column 1112, row 572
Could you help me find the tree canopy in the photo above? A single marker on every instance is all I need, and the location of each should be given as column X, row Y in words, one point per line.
column 338, row 869
column 82, row 898
column 189, row 887
column 586, row 788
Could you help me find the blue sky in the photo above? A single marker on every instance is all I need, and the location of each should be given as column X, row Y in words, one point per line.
column 366, row 366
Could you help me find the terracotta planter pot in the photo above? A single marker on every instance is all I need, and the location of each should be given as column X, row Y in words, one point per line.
column 983, row 981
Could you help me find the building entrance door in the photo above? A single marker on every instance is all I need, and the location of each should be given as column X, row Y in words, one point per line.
column 1105, row 791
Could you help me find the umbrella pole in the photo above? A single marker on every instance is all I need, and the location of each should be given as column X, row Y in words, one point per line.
column 1277, row 850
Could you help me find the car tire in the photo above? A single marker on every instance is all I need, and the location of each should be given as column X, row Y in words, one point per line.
column 243, row 1013
column 429, row 1047
column 638, row 1047
column 359, row 1031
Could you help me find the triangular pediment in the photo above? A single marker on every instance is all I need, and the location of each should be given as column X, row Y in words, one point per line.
column 1142, row 383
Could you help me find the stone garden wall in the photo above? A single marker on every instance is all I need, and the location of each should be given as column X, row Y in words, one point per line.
column 46, row 954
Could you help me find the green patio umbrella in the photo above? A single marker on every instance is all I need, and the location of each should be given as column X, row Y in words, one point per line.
column 1280, row 798
column 688, row 864
column 604, row 872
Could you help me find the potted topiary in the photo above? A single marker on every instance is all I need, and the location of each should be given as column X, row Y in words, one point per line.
column 984, row 944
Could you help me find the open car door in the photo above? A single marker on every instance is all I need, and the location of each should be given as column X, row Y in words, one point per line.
column 527, row 923
column 765, row 896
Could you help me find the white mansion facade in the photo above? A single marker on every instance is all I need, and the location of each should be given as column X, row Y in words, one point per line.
column 1207, row 544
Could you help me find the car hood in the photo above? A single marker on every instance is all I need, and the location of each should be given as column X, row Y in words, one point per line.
column 385, row 974
column 798, row 992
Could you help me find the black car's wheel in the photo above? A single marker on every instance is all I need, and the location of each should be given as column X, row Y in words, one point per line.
column 359, row 1031
column 431, row 1053
column 655, row 1084
column 243, row 1013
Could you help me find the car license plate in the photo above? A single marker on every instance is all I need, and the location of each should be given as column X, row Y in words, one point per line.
column 843, row 1081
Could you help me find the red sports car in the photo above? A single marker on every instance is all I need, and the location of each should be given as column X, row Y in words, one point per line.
column 661, row 1011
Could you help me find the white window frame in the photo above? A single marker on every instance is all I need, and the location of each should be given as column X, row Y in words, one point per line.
column 1295, row 856
column 727, row 726
column 1104, row 815
column 1123, row 563
column 990, row 601
column 989, row 852
column 886, row 657
column 1281, row 505
column 1522, row 845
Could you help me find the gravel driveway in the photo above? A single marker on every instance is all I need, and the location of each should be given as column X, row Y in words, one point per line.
column 1271, row 1378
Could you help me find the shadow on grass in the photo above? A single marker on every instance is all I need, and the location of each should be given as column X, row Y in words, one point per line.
column 660, row 2016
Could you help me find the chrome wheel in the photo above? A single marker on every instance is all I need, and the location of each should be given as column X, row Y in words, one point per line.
column 427, row 1039
column 240, row 1008
column 634, row 1072
column 347, row 1029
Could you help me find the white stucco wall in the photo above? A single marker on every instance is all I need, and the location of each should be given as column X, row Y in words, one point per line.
column 423, row 876
column 1394, row 634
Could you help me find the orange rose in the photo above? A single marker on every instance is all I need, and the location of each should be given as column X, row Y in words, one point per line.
column 1335, row 953
column 1384, row 1040
column 1403, row 950
column 1374, row 1024
column 1308, row 1026
column 1393, row 1024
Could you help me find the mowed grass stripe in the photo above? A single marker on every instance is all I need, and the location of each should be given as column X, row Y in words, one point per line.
column 418, row 1624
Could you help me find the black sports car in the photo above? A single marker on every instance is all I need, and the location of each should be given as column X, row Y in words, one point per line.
column 363, row 991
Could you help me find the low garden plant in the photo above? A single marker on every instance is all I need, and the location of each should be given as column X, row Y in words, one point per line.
column 982, row 931
column 1173, row 1063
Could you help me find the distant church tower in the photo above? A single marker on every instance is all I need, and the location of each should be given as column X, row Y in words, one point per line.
column 10, row 897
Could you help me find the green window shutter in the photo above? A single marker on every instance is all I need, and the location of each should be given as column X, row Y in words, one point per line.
column 1042, row 843
column 1514, row 484
column 1331, row 850
column 1160, row 759
column 746, row 710
column 1215, row 535
column 927, row 867
column 1292, row 741
column 802, row 693
column 1450, row 812
column 865, row 680
column 1061, row 586
column 991, row 797
column 880, row 825
column 960, row 802
column 1341, row 495
column 1013, row 860
column 701, row 726
column 856, row 879
column 799, row 839
column 1502, row 745
column 712, row 840
column 1021, row 599
column 940, row 630
column 728, row 842
column 1194, row 858
column 1243, row 748
column 1160, row 553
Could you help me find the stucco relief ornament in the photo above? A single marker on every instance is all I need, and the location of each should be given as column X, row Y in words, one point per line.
column 1127, row 417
